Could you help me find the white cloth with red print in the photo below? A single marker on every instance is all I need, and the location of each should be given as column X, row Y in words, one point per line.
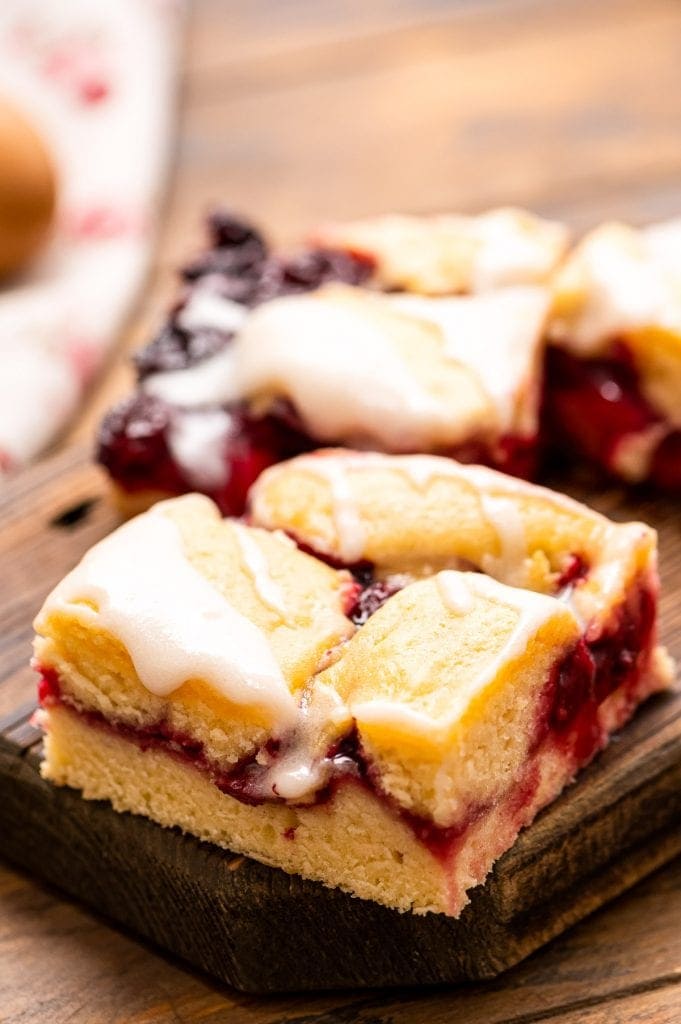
column 98, row 79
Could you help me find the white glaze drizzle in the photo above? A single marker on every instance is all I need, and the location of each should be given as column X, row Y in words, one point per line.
column 495, row 491
column 174, row 624
column 210, row 382
column 496, row 335
column 346, row 514
column 341, row 356
column 197, row 439
column 268, row 590
column 336, row 355
column 206, row 308
column 504, row 516
column 455, row 595
column 628, row 279
column 303, row 768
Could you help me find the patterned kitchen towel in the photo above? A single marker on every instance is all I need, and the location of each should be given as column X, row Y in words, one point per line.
column 98, row 79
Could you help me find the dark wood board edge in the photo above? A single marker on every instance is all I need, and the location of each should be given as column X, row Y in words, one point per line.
column 234, row 918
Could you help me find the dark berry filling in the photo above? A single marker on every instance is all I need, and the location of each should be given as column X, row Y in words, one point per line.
column 511, row 454
column 135, row 446
column 243, row 269
column 590, row 406
column 176, row 349
column 370, row 598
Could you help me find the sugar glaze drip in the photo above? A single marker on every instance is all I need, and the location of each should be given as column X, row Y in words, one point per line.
column 268, row 590
column 139, row 585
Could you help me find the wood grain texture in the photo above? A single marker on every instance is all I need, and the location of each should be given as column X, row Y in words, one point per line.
column 295, row 112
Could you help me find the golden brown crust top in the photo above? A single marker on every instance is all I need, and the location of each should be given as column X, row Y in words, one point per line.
column 418, row 514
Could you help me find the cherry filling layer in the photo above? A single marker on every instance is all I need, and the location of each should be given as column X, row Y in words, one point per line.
column 569, row 721
column 135, row 444
column 592, row 406
column 136, row 447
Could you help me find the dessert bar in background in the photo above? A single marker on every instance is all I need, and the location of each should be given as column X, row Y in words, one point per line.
column 614, row 368
column 266, row 356
column 410, row 334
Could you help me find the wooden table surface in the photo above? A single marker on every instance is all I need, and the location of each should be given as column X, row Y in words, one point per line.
column 296, row 111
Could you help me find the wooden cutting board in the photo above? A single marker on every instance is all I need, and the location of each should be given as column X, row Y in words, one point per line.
column 256, row 927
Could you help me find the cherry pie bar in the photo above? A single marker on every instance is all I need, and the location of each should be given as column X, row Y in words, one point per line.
column 375, row 681
column 614, row 369
column 449, row 254
column 267, row 356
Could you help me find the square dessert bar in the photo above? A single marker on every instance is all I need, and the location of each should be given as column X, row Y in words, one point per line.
column 614, row 369
column 376, row 682
column 267, row 356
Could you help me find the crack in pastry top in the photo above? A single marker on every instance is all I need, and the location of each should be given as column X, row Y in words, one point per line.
column 268, row 590
column 496, row 493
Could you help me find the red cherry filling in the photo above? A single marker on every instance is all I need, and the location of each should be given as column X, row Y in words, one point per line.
column 135, row 446
column 590, row 406
column 575, row 569
column 665, row 470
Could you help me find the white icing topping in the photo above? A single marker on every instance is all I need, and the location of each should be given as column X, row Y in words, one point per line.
column 268, row 590
column 208, row 309
column 346, row 514
column 454, row 593
column 503, row 515
column 206, row 383
column 402, row 372
column 497, row 335
column 304, row 768
column 625, row 280
column 174, row 624
column 349, row 363
column 198, row 440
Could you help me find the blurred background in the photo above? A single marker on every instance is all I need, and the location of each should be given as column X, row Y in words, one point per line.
column 293, row 112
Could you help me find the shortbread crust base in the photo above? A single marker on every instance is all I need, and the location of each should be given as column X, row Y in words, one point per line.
column 354, row 841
